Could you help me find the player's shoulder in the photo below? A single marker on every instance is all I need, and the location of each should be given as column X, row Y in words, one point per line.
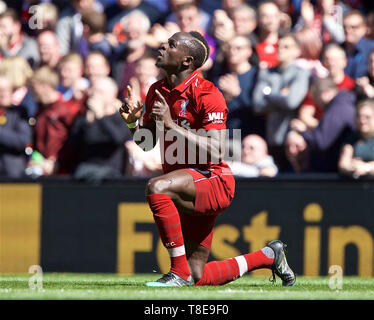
column 156, row 85
column 151, row 94
column 205, row 88
column 205, row 85
column 209, row 97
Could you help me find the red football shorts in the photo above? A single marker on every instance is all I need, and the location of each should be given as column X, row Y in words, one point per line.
column 214, row 192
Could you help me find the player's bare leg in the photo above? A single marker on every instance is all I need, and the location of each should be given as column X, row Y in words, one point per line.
column 197, row 257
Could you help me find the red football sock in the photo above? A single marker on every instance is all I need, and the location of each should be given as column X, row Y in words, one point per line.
column 221, row 272
column 260, row 259
column 169, row 227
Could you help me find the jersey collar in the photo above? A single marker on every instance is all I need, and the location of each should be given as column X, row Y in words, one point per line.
column 183, row 85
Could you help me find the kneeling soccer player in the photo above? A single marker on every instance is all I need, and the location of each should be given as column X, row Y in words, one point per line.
column 186, row 200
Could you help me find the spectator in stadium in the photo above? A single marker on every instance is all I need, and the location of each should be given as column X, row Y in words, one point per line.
column 49, row 49
column 48, row 15
column 222, row 26
column 94, row 24
column 96, row 66
column 144, row 164
column 335, row 60
column 236, row 77
column 54, row 120
column 310, row 52
column 324, row 142
column 188, row 19
column 244, row 19
column 13, row 42
column 278, row 93
column 296, row 152
column 116, row 12
column 357, row 155
column 255, row 160
column 357, row 46
column 99, row 135
column 311, row 47
column 3, row 6
column 269, row 17
column 146, row 73
column 70, row 71
column 69, row 27
column 322, row 18
column 289, row 13
column 136, row 26
column 15, row 133
column 18, row 71
column 205, row 18
column 228, row 5
column 365, row 84
column 370, row 25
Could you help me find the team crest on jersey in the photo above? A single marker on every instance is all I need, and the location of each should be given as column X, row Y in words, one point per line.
column 183, row 112
column 216, row 117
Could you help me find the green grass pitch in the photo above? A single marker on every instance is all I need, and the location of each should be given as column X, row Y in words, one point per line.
column 68, row 286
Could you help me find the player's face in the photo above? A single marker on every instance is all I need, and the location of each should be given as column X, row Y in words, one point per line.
column 172, row 53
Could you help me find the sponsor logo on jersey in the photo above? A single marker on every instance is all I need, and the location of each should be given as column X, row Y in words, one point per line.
column 216, row 117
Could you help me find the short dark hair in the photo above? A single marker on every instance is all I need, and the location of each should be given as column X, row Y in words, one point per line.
column 95, row 20
column 200, row 49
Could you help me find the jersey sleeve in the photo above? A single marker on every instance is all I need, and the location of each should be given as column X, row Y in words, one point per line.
column 213, row 110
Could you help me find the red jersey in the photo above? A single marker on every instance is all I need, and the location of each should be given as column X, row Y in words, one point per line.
column 194, row 104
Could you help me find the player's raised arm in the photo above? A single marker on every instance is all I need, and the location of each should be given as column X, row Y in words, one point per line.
column 209, row 142
column 131, row 112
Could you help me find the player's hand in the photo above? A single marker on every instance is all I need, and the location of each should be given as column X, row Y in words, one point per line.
column 161, row 111
column 131, row 110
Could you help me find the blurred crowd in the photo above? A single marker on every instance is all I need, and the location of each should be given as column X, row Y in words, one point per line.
column 297, row 76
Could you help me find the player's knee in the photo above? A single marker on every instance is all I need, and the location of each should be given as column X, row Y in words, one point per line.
column 157, row 186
